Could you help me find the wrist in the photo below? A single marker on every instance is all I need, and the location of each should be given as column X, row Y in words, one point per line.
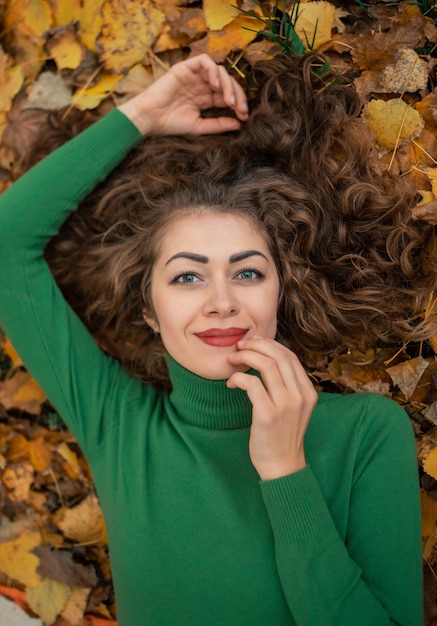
column 140, row 118
column 273, row 472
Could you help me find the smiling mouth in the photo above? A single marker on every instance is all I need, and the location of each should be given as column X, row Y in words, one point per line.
column 222, row 337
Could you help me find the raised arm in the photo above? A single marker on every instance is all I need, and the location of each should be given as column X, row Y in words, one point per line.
column 53, row 343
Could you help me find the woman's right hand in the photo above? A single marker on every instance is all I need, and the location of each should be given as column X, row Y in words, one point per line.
column 173, row 104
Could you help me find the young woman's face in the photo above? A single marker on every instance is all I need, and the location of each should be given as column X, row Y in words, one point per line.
column 214, row 282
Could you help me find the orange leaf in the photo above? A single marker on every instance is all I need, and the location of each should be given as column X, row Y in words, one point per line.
column 235, row 36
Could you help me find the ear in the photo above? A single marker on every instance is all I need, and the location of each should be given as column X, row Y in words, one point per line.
column 151, row 320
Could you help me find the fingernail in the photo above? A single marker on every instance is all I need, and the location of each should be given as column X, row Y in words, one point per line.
column 232, row 99
column 242, row 342
column 217, row 82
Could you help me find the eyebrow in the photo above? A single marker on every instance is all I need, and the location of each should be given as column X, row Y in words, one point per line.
column 199, row 258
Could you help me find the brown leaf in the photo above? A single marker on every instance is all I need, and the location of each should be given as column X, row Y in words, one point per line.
column 408, row 72
column 59, row 564
column 406, row 375
column 18, row 479
column 75, row 606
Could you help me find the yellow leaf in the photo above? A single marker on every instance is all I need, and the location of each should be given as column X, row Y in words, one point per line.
column 65, row 12
column 429, row 513
column 48, row 599
column 67, row 453
column 17, row 560
column 29, row 394
column 83, row 523
column 90, row 23
column 11, row 80
column 25, row 25
column 430, row 463
column 392, row 121
column 406, row 375
column 40, row 453
column 12, row 354
column 128, row 32
column 75, row 606
column 235, row 36
column 136, row 80
column 66, row 51
column 218, row 13
column 314, row 23
column 91, row 98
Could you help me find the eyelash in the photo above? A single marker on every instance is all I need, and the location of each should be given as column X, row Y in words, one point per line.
column 177, row 279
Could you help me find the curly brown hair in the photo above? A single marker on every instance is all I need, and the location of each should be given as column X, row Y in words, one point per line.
column 350, row 257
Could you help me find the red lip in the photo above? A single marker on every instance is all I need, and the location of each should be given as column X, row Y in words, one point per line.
column 222, row 337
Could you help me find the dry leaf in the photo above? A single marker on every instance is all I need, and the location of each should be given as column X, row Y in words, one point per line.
column 49, row 92
column 71, row 458
column 75, row 606
column 236, row 35
column 430, row 463
column 48, row 599
column 40, row 454
column 10, row 351
column 128, row 32
column 408, row 73
column 314, row 23
column 91, row 98
column 21, row 391
column 65, row 12
column 429, row 514
column 82, row 523
column 65, row 49
column 11, row 80
column 90, row 23
column 25, row 25
column 406, row 375
column 218, row 13
column 392, row 122
column 18, row 479
column 17, row 560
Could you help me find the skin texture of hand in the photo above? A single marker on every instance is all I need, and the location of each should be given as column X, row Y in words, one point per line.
column 282, row 406
column 172, row 105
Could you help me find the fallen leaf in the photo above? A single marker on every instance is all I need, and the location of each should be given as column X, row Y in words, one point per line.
column 235, row 35
column 82, row 523
column 49, row 92
column 218, row 13
column 91, row 97
column 40, row 454
column 10, row 351
column 65, row 12
column 70, row 457
column 392, row 121
column 128, row 32
column 75, row 606
column 17, row 560
column 314, row 23
column 59, row 564
column 18, row 479
column 90, row 23
column 48, row 599
column 65, row 48
column 406, row 375
column 429, row 513
column 430, row 463
column 408, row 72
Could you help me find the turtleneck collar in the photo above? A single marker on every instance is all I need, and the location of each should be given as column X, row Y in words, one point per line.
column 207, row 403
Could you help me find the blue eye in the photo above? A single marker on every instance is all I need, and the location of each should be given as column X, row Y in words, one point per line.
column 249, row 274
column 186, row 279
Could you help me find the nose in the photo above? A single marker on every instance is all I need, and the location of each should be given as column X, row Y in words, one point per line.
column 221, row 301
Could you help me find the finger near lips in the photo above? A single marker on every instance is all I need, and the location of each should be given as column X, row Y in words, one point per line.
column 276, row 364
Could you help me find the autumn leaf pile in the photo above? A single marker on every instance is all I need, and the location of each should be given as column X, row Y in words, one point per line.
column 94, row 54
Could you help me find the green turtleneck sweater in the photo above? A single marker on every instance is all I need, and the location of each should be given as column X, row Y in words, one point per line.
column 196, row 539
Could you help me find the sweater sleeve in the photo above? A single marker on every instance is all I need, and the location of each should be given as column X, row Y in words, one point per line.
column 374, row 575
column 51, row 340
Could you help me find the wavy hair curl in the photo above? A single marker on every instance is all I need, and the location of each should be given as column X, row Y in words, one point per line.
column 351, row 259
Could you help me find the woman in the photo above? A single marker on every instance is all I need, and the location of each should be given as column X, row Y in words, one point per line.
column 238, row 496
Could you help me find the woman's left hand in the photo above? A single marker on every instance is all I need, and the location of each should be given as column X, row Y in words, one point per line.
column 282, row 406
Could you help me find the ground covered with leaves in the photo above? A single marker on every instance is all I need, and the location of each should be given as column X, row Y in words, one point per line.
column 91, row 55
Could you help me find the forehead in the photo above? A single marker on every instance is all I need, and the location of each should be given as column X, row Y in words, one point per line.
column 209, row 231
